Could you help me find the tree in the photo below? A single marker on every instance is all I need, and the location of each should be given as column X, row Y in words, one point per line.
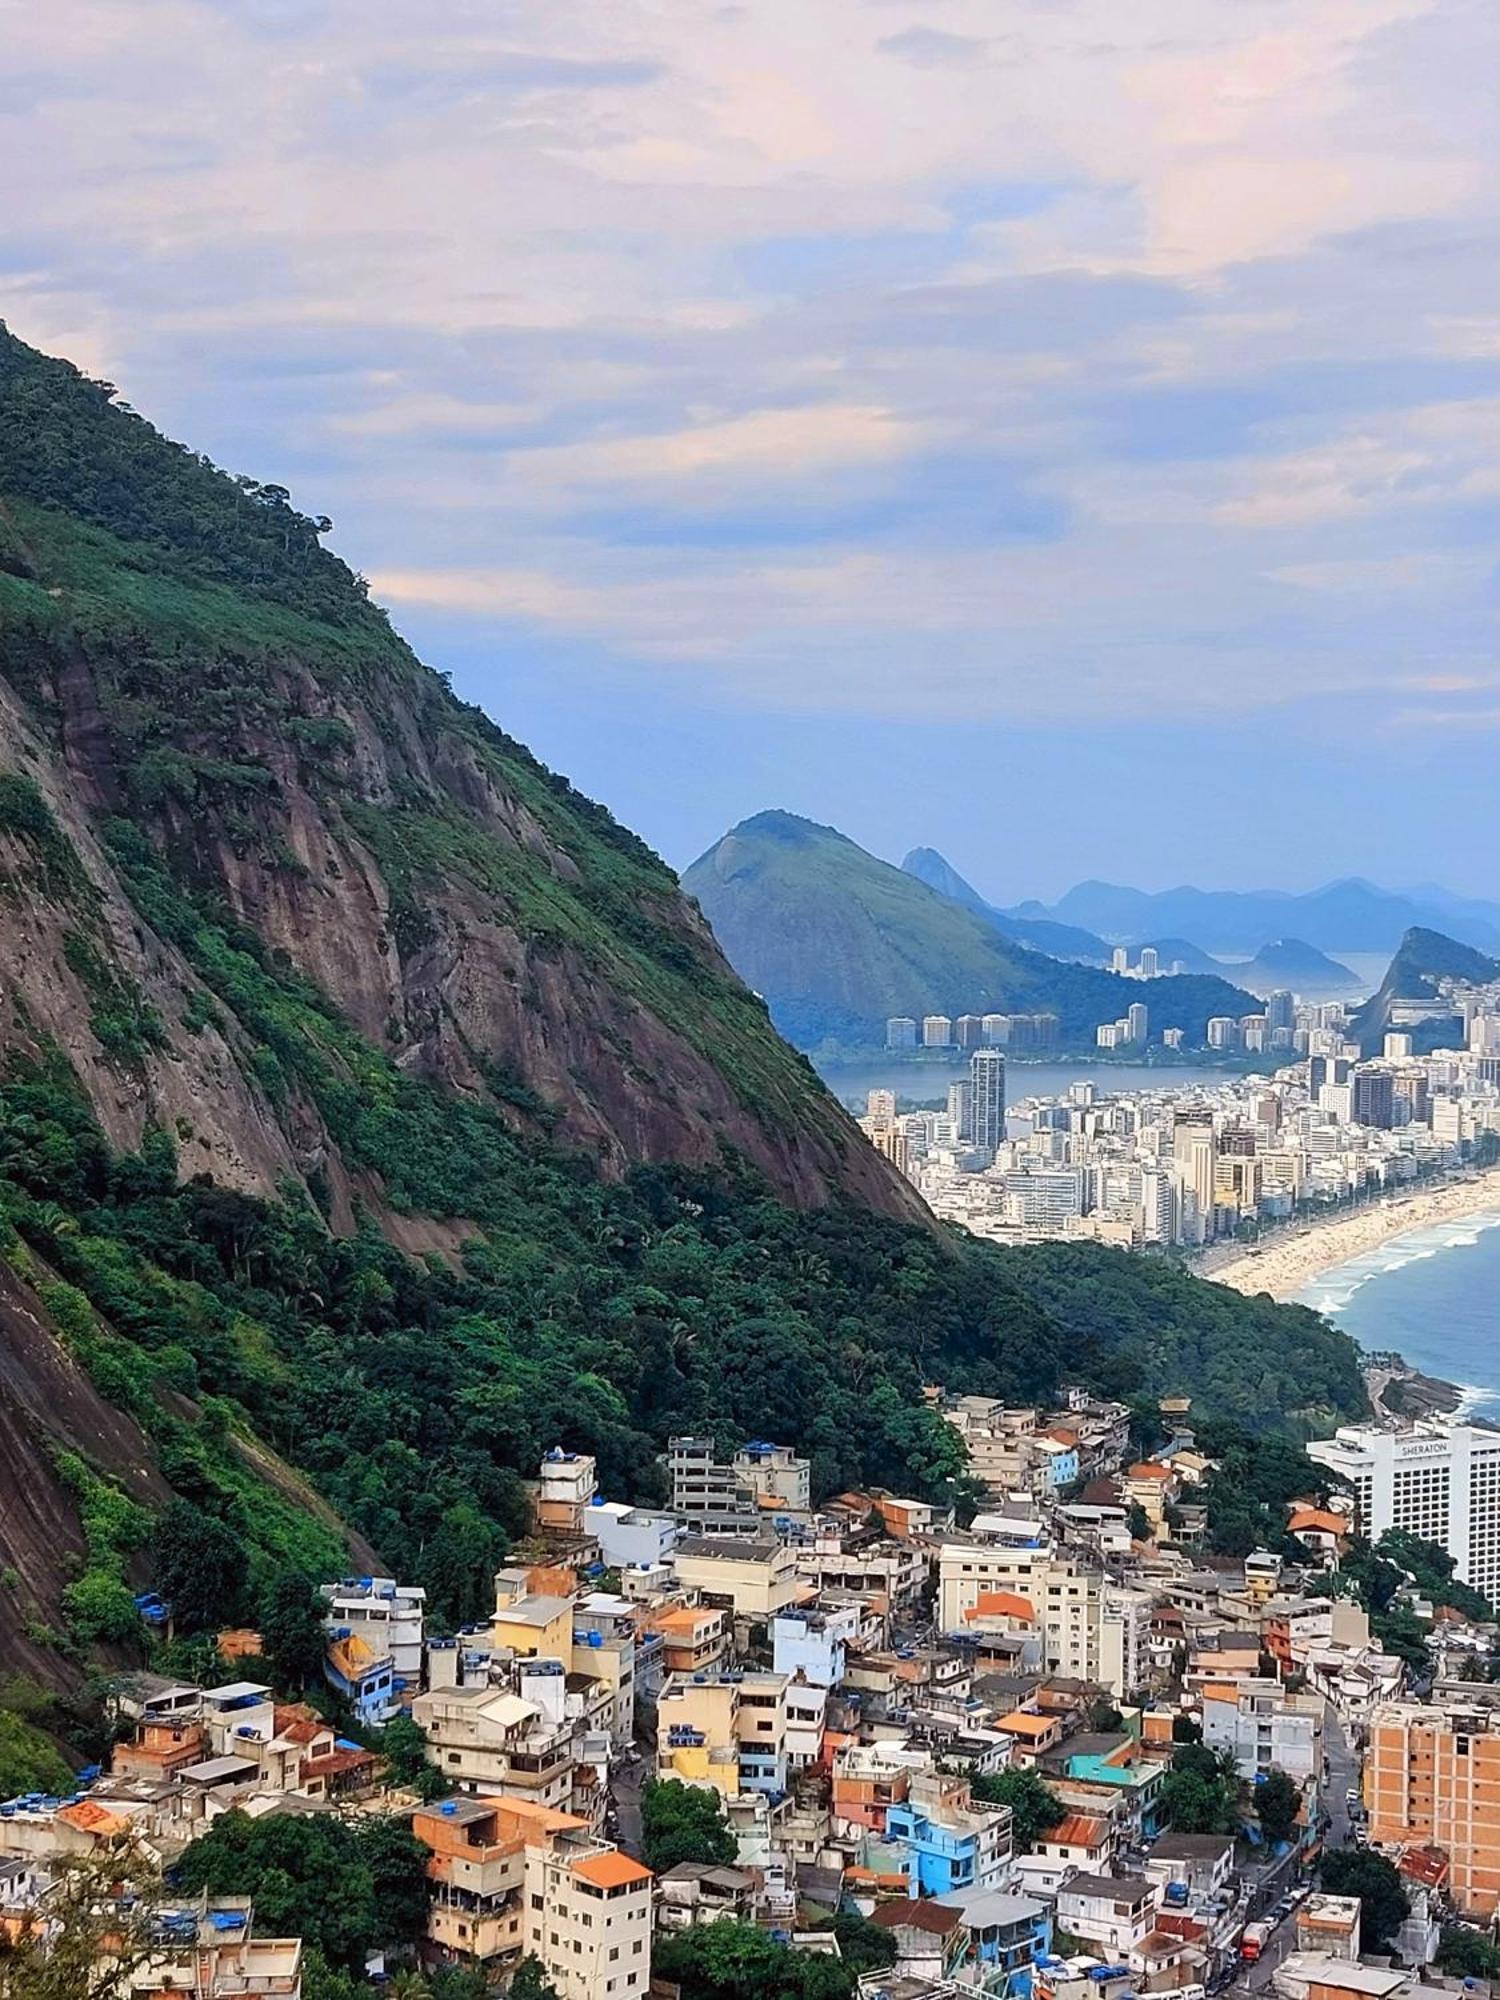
column 1186, row 1729
column 459, row 1564
column 404, row 1748
column 291, row 1629
column 1278, row 1800
column 1383, row 1902
column 342, row 1890
column 529, row 1981
column 93, row 1941
column 397, row 1862
column 199, row 1565
column 29, row 1761
column 729, row 1960
column 1200, row 1793
column 863, row 1946
column 1140, row 1522
column 1104, row 1716
column 1034, row 1806
column 683, row 1823
column 1467, row 1954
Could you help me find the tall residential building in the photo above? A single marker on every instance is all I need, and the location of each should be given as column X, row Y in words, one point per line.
column 880, row 1105
column 900, row 1032
column 961, row 1110
column 1223, row 1032
column 1137, row 1020
column 1281, row 1008
column 1374, row 1099
column 1432, row 1779
column 710, row 1497
column 968, row 1031
column 1439, row 1480
column 1119, row 959
column 1149, row 961
column 996, row 1029
column 937, row 1031
column 987, row 1098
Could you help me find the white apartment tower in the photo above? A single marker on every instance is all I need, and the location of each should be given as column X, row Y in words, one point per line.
column 1438, row 1480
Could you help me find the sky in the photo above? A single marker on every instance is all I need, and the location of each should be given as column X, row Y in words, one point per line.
column 1056, row 431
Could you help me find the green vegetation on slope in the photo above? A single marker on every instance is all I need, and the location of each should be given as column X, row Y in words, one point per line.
column 837, row 941
column 1140, row 1325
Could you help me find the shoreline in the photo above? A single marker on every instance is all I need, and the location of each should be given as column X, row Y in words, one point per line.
column 1290, row 1261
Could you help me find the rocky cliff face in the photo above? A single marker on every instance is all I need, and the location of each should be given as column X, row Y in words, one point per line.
column 289, row 763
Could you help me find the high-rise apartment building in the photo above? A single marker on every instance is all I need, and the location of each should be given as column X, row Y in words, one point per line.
column 987, row 1098
column 937, row 1031
column 1149, row 961
column 1432, row 1779
column 1374, row 1098
column 1281, row 1009
column 968, row 1031
column 1439, row 1480
column 1137, row 1021
column 1119, row 959
column 1223, row 1032
column 900, row 1032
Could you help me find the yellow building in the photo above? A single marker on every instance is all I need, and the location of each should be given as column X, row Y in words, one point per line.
column 727, row 1730
column 754, row 1580
column 529, row 1622
column 1432, row 1778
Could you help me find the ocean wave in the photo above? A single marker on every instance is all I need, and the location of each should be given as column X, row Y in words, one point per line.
column 1331, row 1291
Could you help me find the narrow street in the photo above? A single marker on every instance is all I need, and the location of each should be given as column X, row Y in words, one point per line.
column 1343, row 1777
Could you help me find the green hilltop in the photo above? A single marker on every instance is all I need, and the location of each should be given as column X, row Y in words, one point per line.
column 836, row 941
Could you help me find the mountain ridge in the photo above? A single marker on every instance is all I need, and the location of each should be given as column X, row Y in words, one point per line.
column 1423, row 959
column 1055, row 940
column 837, row 941
column 1347, row 915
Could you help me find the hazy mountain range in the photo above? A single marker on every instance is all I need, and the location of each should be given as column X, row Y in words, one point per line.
column 1285, row 961
column 1352, row 916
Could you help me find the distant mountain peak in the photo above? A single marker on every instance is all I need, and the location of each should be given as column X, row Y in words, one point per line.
column 838, row 941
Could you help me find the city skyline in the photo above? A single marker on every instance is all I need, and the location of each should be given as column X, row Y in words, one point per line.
column 922, row 421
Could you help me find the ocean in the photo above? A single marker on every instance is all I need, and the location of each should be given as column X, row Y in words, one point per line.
column 1431, row 1295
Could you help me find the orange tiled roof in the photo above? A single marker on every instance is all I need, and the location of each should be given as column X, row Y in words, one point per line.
column 1021, row 1723
column 686, row 1618
column 91, row 1818
column 1150, row 1468
column 1077, row 1830
column 1003, row 1604
column 1319, row 1519
column 611, row 1871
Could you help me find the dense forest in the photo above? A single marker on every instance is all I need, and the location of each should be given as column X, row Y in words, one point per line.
column 286, row 1179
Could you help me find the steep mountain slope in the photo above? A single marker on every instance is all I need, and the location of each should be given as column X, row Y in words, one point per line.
column 1057, row 940
column 837, row 941
column 1425, row 959
column 181, row 652
column 1343, row 916
column 375, row 1113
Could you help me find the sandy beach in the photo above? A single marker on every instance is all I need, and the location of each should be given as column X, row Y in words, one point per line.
column 1287, row 1262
